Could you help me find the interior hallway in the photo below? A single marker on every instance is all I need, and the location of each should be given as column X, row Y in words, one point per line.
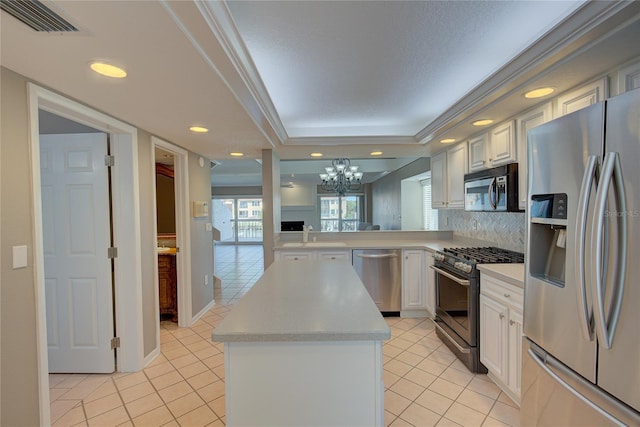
column 425, row 385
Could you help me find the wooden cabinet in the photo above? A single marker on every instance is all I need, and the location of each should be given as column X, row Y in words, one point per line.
column 413, row 289
column 501, row 333
column 447, row 177
column 167, row 284
column 582, row 97
column 479, row 152
column 502, row 144
column 525, row 123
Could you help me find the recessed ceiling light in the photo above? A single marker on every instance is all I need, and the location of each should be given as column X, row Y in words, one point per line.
column 482, row 122
column 448, row 140
column 539, row 93
column 198, row 129
column 236, row 154
column 108, row 70
column 376, row 153
column 316, row 154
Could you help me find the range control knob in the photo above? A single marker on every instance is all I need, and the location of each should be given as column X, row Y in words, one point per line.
column 462, row 266
column 438, row 256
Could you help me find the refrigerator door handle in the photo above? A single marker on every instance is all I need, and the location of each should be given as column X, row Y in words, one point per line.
column 586, row 315
column 547, row 364
column 606, row 327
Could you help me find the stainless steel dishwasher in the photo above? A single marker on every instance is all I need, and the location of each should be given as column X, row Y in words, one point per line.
column 381, row 272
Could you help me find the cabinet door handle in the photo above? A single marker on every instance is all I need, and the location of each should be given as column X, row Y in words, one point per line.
column 501, row 316
column 295, row 258
column 507, row 295
column 511, row 322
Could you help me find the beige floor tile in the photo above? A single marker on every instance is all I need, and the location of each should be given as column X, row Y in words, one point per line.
column 185, row 360
column 407, row 389
column 102, row 405
column 130, row 380
column 395, row 403
column 434, row 402
column 465, row 416
column 212, row 391
column 171, row 345
column 507, row 400
column 475, row 400
column 86, row 387
column 202, row 380
column 389, row 378
column 160, row 369
column 445, row 422
column 104, row 390
column 419, row 416
column 185, row 404
column 492, row 422
column 144, row 405
column 400, row 343
column 61, row 407
column 217, row 423
column 55, row 393
column 397, row 367
column 175, row 391
column 153, row 418
column 484, row 387
column 71, row 380
column 164, row 381
column 126, row 424
column 218, row 406
column 192, row 369
column 432, row 367
column 113, row 417
column 137, row 391
column 201, row 416
column 409, row 358
column 70, row 418
column 207, row 352
column 420, row 377
column 505, row 413
column 411, row 336
column 446, row 388
column 219, row 371
column 171, row 424
column 55, row 379
column 420, row 350
column 157, row 361
column 457, row 377
column 214, row 361
column 443, row 357
column 191, row 339
column 391, row 351
column 457, row 364
column 199, row 345
column 177, row 353
column 389, row 418
column 399, row 422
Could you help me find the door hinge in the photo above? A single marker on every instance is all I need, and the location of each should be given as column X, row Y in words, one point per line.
column 112, row 253
column 109, row 160
column 115, row 343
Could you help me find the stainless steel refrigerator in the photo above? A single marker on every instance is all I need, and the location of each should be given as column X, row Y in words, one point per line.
column 581, row 351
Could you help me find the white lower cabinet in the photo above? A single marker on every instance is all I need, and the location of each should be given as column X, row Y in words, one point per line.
column 325, row 254
column 413, row 289
column 501, row 333
column 430, row 285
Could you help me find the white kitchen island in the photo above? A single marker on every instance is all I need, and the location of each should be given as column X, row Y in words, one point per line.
column 304, row 347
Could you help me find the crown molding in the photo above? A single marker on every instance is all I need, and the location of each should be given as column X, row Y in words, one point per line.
column 352, row 140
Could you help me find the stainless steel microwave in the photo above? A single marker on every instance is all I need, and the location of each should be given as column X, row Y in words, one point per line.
column 492, row 190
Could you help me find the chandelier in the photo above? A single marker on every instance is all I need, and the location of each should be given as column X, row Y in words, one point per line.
column 341, row 177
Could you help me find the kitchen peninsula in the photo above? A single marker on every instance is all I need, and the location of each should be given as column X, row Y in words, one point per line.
column 304, row 347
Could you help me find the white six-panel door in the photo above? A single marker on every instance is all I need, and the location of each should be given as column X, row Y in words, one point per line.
column 76, row 226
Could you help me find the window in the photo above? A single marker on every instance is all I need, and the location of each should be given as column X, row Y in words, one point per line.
column 238, row 219
column 242, row 204
column 340, row 213
column 429, row 215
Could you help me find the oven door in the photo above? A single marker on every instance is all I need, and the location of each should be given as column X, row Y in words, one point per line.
column 454, row 303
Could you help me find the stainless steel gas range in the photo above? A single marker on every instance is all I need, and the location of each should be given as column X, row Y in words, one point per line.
column 458, row 298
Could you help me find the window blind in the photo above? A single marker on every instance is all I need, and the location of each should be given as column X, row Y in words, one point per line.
column 429, row 215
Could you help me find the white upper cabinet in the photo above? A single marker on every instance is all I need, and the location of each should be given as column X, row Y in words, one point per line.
column 502, row 144
column 525, row 123
column 479, row 152
column 439, row 180
column 629, row 78
column 447, row 177
column 582, row 97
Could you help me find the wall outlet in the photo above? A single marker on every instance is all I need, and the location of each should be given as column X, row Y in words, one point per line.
column 206, row 279
column 474, row 224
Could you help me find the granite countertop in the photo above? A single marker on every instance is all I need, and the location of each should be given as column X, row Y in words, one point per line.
column 510, row 273
column 430, row 245
column 305, row 301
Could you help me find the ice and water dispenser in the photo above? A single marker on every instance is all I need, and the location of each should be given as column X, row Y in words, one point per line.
column 548, row 237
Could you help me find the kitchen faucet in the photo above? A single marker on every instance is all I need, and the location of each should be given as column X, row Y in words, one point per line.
column 305, row 233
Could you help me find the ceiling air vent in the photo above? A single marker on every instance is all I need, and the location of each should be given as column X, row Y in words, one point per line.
column 36, row 15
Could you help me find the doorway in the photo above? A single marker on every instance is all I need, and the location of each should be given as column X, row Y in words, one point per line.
column 126, row 232
column 239, row 219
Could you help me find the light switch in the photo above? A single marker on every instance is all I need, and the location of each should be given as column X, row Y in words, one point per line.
column 19, row 257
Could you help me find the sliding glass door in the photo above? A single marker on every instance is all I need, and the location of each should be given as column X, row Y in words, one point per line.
column 340, row 213
column 239, row 219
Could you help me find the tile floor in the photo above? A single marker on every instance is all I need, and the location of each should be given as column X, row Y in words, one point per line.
column 425, row 384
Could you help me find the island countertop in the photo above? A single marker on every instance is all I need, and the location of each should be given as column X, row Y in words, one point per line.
column 305, row 301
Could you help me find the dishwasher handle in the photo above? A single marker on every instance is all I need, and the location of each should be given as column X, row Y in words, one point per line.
column 377, row 256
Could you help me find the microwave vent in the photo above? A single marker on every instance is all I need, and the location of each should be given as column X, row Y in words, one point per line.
column 36, row 15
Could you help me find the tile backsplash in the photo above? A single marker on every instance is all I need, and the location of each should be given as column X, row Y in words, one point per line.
column 505, row 229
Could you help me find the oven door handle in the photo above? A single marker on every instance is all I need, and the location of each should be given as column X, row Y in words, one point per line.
column 456, row 279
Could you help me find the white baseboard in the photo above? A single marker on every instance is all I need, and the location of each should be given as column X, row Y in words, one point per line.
column 151, row 356
column 203, row 311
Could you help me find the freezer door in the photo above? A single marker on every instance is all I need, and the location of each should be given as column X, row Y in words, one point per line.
column 619, row 367
column 553, row 395
column 557, row 154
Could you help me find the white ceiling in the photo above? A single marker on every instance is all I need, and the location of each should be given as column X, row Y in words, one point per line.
column 340, row 77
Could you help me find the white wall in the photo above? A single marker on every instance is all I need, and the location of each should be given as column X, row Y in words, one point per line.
column 411, row 205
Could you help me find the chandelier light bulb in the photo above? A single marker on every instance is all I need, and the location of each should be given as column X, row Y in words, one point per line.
column 341, row 177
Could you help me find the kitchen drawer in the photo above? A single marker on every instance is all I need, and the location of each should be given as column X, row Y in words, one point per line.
column 334, row 255
column 296, row 256
column 502, row 291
